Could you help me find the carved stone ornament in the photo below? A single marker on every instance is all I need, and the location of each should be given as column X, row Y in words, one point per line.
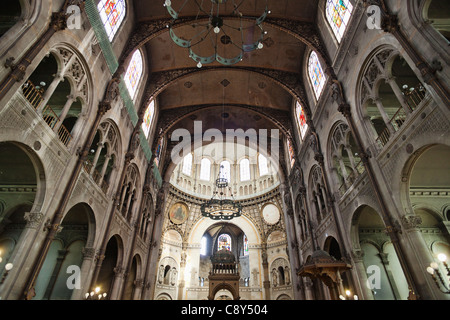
column 34, row 219
column 411, row 221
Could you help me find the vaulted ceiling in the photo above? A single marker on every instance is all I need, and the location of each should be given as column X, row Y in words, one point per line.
column 255, row 93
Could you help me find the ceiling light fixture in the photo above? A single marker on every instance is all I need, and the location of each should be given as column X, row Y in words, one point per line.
column 222, row 205
column 214, row 36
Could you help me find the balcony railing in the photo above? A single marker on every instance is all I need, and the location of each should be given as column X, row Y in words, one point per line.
column 34, row 96
column 96, row 176
column 414, row 98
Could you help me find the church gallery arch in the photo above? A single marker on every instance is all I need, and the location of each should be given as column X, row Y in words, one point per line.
column 381, row 265
column 77, row 232
column 426, row 177
column 19, row 207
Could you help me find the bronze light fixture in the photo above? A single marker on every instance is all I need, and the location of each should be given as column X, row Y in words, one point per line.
column 214, row 36
column 222, row 205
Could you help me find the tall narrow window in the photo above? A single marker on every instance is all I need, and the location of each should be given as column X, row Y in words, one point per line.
column 245, row 245
column 316, row 74
column 205, row 169
column 112, row 13
column 148, row 117
column 301, row 119
column 224, row 242
column 134, row 73
column 203, row 244
column 244, row 166
column 158, row 151
column 338, row 13
column 225, row 170
column 187, row 164
column 263, row 167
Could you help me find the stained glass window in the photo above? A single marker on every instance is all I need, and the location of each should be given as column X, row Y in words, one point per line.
column 205, row 169
column 158, row 152
column 224, row 242
column 244, row 166
column 245, row 245
column 338, row 13
column 187, row 164
column 316, row 74
column 263, row 167
column 148, row 116
column 112, row 13
column 134, row 73
column 225, row 170
column 291, row 152
column 301, row 119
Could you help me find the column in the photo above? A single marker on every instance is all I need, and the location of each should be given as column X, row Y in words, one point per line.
column 105, row 166
column 181, row 284
column 65, row 110
column 49, row 92
column 266, row 279
column 119, row 275
column 85, row 273
column 97, row 155
column 398, row 93
column 384, row 115
column 138, row 285
column 59, row 261
column 363, row 290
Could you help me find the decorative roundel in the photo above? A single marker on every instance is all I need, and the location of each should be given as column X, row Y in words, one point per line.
column 271, row 214
column 178, row 213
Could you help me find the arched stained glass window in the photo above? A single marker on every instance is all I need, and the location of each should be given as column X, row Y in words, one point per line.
column 244, row 166
column 316, row 74
column 225, row 170
column 134, row 73
column 224, row 242
column 263, row 167
column 338, row 13
column 148, row 117
column 291, row 152
column 158, row 151
column 205, row 169
column 112, row 13
column 301, row 119
column 187, row 164
column 245, row 245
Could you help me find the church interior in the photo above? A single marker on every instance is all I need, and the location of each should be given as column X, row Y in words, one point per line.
column 225, row 150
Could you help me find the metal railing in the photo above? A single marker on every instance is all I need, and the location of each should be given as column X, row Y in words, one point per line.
column 87, row 165
column 414, row 97
column 34, row 96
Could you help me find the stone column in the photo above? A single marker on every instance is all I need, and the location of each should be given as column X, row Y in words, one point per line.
column 119, row 275
column 266, row 279
column 64, row 112
column 85, row 273
column 386, row 119
column 362, row 290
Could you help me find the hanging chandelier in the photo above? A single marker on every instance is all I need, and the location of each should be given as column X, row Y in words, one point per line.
column 212, row 36
column 222, row 205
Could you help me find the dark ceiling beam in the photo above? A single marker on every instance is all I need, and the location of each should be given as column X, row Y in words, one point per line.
column 159, row 81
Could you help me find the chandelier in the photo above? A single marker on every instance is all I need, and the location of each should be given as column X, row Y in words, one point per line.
column 222, row 205
column 215, row 37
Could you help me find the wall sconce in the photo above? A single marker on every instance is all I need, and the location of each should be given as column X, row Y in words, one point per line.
column 433, row 270
column 95, row 294
column 8, row 268
column 349, row 296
